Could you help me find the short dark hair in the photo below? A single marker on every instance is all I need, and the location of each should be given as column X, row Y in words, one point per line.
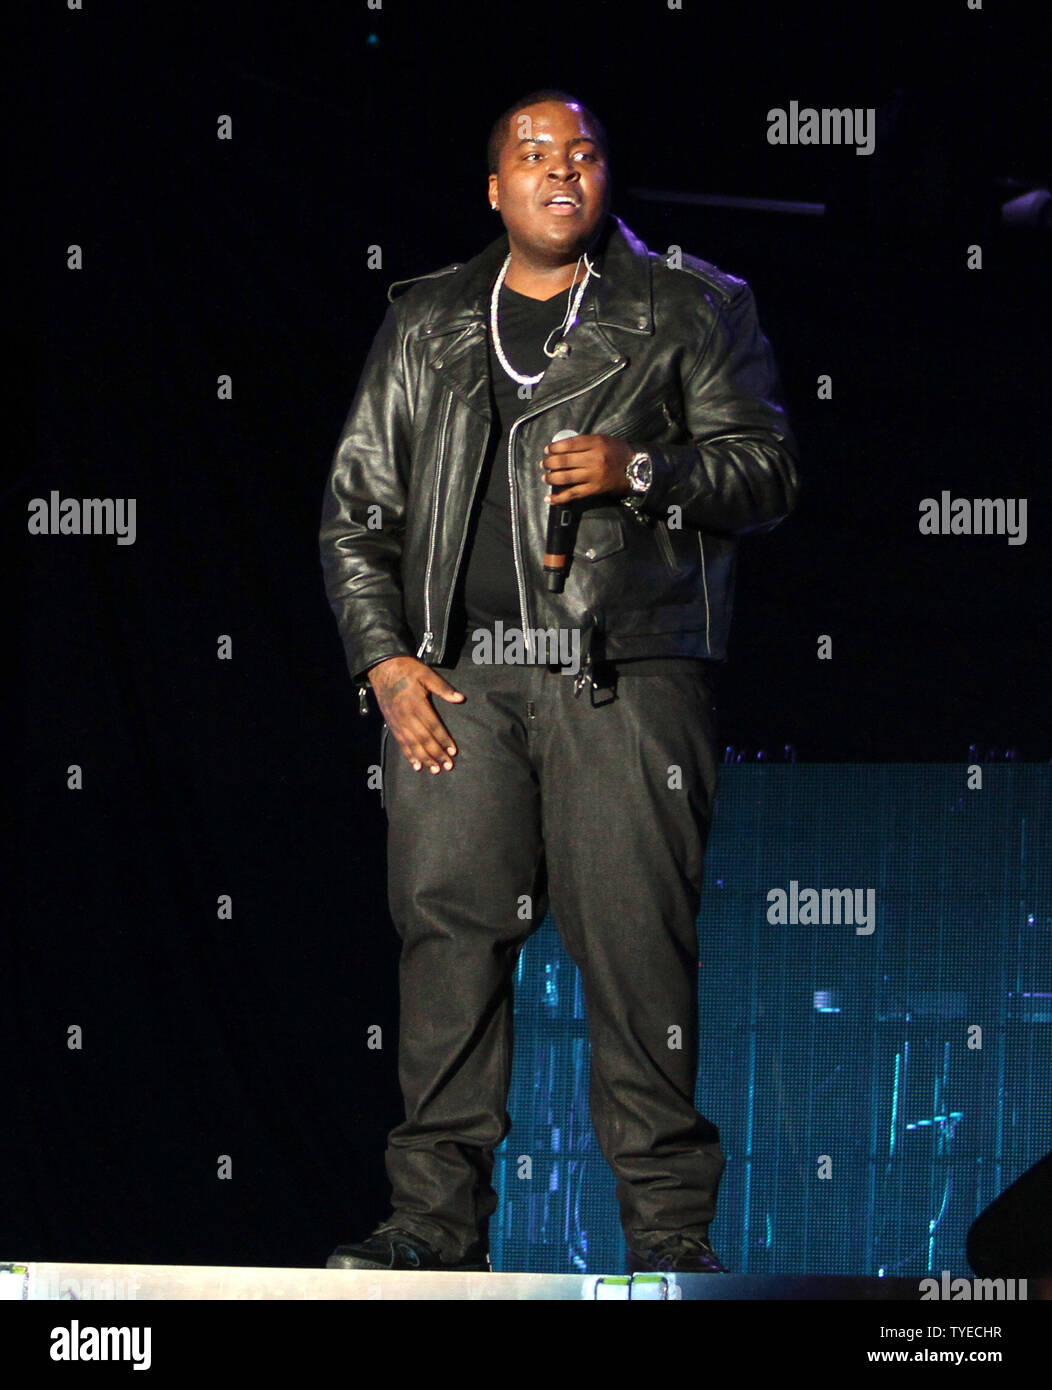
column 499, row 132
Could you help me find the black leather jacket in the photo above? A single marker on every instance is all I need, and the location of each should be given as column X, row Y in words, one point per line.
column 670, row 358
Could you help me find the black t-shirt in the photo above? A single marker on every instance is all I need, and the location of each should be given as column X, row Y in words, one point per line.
column 487, row 589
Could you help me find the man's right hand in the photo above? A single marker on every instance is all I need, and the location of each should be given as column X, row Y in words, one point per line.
column 402, row 685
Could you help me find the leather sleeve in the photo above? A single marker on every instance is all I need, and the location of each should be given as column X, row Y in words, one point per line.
column 363, row 511
column 739, row 474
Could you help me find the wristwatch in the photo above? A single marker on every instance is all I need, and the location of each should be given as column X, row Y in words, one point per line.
column 640, row 473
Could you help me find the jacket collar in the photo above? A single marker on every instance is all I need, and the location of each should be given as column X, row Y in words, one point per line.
column 622, row 296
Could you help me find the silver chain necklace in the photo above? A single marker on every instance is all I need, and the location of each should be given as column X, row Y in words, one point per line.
column 573, row 304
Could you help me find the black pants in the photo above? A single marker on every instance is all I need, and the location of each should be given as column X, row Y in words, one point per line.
column 601, row 804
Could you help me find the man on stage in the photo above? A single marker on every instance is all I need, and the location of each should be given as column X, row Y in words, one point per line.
column 549, row 734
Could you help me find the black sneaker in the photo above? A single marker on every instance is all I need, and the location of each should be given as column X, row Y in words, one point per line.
column 390, row 1246
column 687, row 1252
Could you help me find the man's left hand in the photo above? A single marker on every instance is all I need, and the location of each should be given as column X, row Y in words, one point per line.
column 585, row 466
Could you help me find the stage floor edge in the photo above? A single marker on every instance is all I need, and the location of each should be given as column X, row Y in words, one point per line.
column 38, row 1280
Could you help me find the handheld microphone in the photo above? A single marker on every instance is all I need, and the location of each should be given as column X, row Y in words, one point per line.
column 558, row 545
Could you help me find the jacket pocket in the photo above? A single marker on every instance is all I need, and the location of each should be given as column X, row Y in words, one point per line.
column 644, row 422
column 598, row 536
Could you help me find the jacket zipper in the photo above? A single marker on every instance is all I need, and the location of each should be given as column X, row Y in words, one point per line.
column 705, row 586
column 425, row 645
column 519, row 568
column 665, row 542
column 626, row 429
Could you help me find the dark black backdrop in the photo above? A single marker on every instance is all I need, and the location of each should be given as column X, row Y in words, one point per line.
column 355, row 127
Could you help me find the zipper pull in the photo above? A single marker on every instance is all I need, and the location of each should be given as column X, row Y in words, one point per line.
column 363, row 699
column 425, row 645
